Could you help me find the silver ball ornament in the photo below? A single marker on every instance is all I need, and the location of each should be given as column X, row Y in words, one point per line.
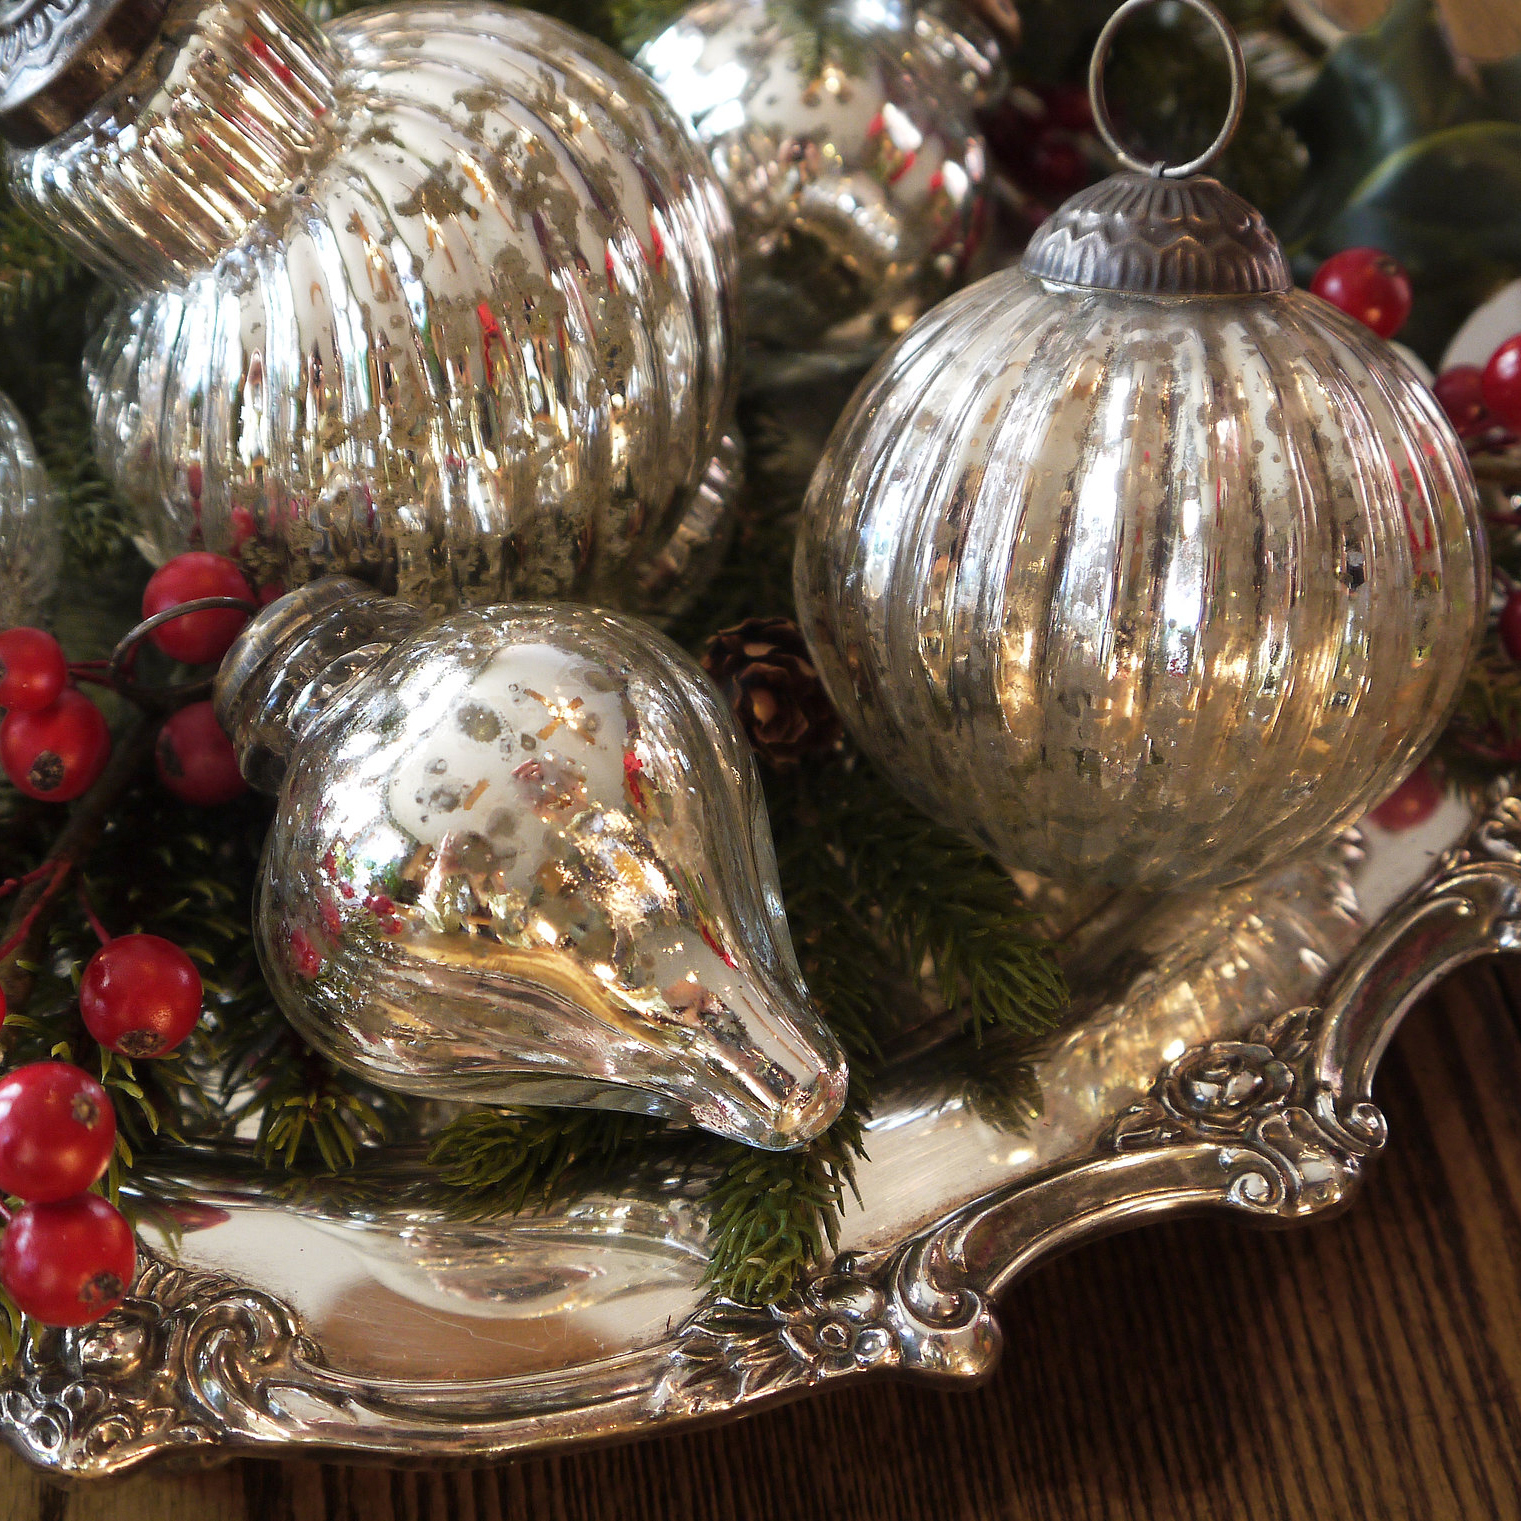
column 441, row 296
column 844, row 138
column 1136, row 564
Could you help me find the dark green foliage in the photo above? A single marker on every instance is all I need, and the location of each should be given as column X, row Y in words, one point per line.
column 497, row 1160
column 1419, row 154
column 34, row 270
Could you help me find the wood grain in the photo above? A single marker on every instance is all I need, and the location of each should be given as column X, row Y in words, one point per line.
column 1368, row 1366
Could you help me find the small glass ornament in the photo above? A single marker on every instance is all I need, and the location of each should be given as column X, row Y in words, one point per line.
column 441, row 296
column 1134, row 562
column 521, row 855
column 843, row 134
column 31, row 549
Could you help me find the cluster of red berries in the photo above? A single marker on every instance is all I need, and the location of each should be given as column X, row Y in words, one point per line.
column 67, row 1255
column 54, row 742
column 1484, row 405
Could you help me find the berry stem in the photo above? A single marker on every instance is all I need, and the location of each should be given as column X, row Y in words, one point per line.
column 87, row 818
column 101, row 932
column 60, row 870
column 10, row 884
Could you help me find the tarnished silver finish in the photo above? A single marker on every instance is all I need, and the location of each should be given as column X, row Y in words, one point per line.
column 1222, row 1058
column 844, row 138
column 1141, row 588
column 443, row 297
column 30, row 547
column 522, row 856
column 1154, row 236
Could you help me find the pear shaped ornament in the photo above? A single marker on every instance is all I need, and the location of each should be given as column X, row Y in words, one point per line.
column 31, row 547
column 844, row 135
column 1134, row 562
column 521, row 856
column 441, row 296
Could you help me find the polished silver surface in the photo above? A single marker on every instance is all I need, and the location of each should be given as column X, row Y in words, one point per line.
column 1142, row 589
column 521, row 855
column 30, row 546
column 442, row 296
column 845, row 142
column 1222, row 1057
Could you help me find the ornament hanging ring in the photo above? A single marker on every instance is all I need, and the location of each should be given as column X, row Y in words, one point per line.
column 119, row 667
column 1105, row 123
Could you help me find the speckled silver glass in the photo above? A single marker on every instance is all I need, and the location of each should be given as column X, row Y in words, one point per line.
column 441, row 296
column 1136, row 564
column 30, row 547
column 521, row 856
column 844, row 137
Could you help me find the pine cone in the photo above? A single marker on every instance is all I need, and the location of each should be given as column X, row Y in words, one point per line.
column 763, row 666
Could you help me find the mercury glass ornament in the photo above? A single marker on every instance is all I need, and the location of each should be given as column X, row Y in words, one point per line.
column 843, row 134
column 521, row 856
column 442, row 296
column 1135, row 563
column 30, row 546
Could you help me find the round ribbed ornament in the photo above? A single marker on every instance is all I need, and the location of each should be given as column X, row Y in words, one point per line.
column 30, row 548
column 442, row 297
column 844, row 137
column 1136, row 565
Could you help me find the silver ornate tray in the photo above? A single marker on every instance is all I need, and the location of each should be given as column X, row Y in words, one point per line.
column 1222, row 1057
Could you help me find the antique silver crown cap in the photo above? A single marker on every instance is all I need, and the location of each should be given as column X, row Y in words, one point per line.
column 1157, row 228
column 1158, row 236
column 58, row 57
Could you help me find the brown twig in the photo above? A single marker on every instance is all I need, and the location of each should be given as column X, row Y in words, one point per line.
column 87, row 819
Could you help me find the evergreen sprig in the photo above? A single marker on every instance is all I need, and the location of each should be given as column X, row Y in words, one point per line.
column 499, row 1161
column 34, row 268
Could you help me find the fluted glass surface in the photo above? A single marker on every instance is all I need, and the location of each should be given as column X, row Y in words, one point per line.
column 30, row 548
column 521, row 855
column 1142, row 589
column 442, row 297
column 844, row 137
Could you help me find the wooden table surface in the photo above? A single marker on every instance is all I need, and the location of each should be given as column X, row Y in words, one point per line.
column 1365, row 1367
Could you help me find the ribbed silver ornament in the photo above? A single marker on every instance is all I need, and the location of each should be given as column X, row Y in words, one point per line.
column 845, row 139
column 441, row 296
column 30, row 545
column 1137, row 565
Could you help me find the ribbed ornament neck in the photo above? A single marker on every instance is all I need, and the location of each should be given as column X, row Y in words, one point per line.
column 292, row 661
column 1158, row 236
column 222, row 115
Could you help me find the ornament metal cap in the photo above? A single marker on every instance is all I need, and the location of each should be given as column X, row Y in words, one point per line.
column 59, row 57
column 1161, row 229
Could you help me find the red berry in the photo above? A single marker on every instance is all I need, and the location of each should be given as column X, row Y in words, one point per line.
column 69, row 1263
column 196, row 761
column 57, row 1129
column 1461, row 393
column 1502, row 382
column 32, row 670
column 140, row 995
column 1368, row 284
column 197, row 638
column 58, row 752
column 1411, row 803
